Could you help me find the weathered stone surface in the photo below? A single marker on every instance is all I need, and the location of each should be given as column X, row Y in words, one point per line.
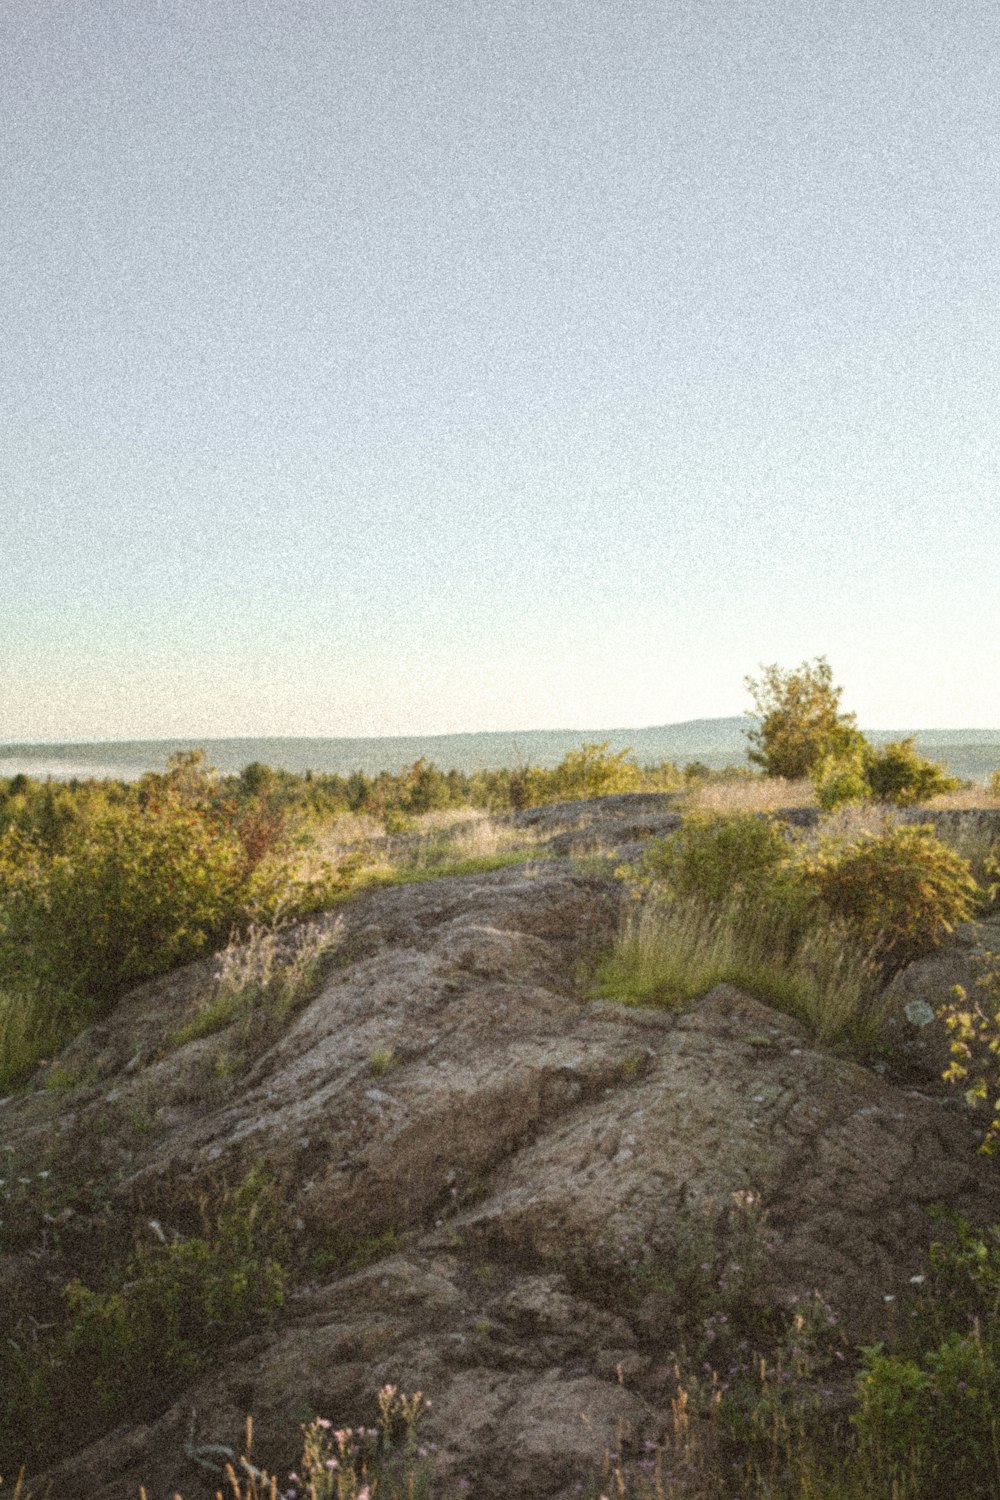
column 531, row 1150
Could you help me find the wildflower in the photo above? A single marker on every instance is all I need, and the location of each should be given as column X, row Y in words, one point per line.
column 324, row 1422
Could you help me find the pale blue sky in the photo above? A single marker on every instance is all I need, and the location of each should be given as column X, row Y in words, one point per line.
column 409, row 366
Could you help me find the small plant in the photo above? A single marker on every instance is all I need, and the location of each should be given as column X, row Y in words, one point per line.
column 352, row 1463
column 381, row 1061
column 931, row 1423
column 974, row 1023
column 157, row 1321
column 839, row 780
column 177, row 1302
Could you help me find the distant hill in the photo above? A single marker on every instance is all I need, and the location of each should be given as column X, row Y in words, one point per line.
column 970, row 753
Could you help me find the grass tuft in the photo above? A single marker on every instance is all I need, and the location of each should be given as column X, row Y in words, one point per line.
column 669, row 953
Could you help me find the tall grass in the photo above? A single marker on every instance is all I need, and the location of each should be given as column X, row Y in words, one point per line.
column 30, row 1029
column 748, row 794
column 266, row 975
column 671, row 952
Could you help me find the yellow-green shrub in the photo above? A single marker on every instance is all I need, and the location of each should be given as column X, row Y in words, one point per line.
column 717, row 858
column 176, row 1304
column 133, row 889
column 898, row 774
column 899, row 891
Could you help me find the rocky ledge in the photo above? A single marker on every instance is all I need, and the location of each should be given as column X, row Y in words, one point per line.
column 546, row 1174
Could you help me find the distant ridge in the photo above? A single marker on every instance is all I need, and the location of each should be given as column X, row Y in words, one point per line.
column 970, row 753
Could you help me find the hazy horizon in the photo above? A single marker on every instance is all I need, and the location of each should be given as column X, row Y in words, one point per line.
column 972, row 754
column 962, row 730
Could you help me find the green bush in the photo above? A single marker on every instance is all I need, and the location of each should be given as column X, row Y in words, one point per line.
column 176, row 1304
column 130, row 890
column 591, row 771
column 124, row 1352
column 136, row 891
column 931, row 1423
column 899, row 891
column 898, row 774
column 927, row 1411
column 840, row 780
column 717, row 858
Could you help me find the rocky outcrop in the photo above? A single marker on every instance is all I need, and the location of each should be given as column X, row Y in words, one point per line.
column 565, row 1180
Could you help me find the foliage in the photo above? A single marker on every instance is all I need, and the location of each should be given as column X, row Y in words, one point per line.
column 671, row 952
column 898, row 774
column 994, row 784
column 800, row 720
column 347, row 1463
column 927, row 1415
column 716, row 858
column 591, row 771
column 161, row 1318
column 933, row 1421
column 262, row 977
column 974, row 1024
column 129, row 890
column 839, row 779
column 899, row 891
column 895, row 774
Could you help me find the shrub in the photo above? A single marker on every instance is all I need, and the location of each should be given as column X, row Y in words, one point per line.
column 717, row 858
column 927, row 1412
column 160, row 1319
column 136, row 891
column 591, row 771
column 898, row 774
column 931, row 1422
column 994, row 784
column 840, row 780
column 898, row 891
column 131, row 890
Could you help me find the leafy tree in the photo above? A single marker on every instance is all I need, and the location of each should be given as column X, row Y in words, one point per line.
column 800, row 720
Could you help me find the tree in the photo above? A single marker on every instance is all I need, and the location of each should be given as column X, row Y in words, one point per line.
column 800, row 722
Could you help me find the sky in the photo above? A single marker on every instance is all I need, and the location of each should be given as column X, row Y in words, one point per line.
column 416, row 366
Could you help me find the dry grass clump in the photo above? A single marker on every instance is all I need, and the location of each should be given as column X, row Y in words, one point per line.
column 268, row 974
column 966, row 798
column 749, row 794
